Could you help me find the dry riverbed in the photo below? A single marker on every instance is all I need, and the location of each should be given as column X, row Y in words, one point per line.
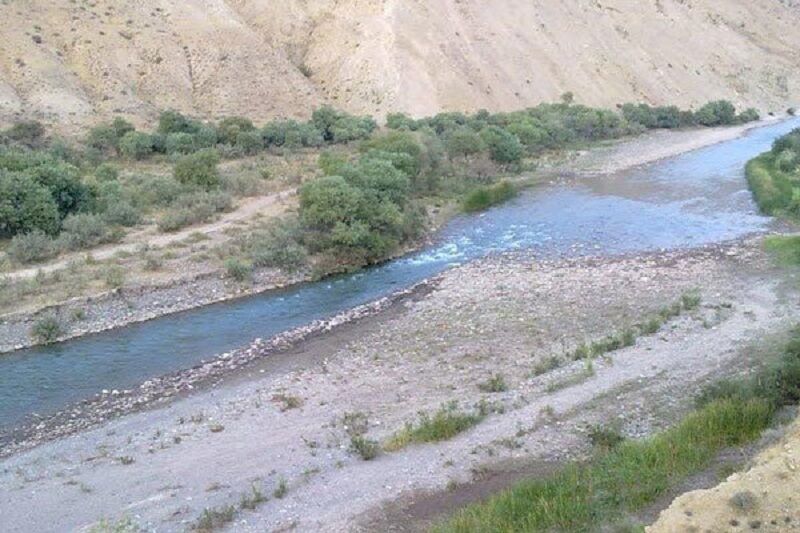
column 285, row 420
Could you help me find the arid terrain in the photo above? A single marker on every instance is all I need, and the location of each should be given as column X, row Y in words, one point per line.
column 73, row 63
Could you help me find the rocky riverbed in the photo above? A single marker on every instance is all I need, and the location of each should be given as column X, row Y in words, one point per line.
column 281, row 415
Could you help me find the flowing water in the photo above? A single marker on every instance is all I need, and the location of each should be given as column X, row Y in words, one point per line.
column 694, row 199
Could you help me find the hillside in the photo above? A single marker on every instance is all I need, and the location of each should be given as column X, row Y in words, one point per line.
column 74, row 62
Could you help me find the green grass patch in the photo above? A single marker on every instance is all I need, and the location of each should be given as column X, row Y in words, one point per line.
column 445, row 424
column 631, row 476
column 482, row 198
column 634, row 474
column 786, row 249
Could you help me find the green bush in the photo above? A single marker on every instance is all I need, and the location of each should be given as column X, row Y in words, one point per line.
column 194, row 208
column 229, row 129
column 28, row 132
column 482, row 198
column 277, row 246
column 85, row 231
column 463, row 142
column 25, row 206
column 136, row 145
column 65, row 185
column 238, row 270
column 171, row 121
column 199, row 169
column 121, row 213
column 717, row 113
column 32, row 247
column 47, row 330
column 504, row 147
column 106, row 172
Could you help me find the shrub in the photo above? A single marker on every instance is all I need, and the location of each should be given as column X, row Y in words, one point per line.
column 605, row 437
column 482, row 198
column 199, row 169
column 28, row 132
column 717, row 113
column 47, row 330
column 194, row 208
column 63, row 181
column 229, row 128
column 504, row 147
column 366, row 448
column 238, row 270
column 463, row 142
column 171, row 121
column 496, row 383
column 136, row 145
column 121, row 213
column 85, row 231
column 181, row 143
column 277, row 246
column 106, row 172
column 114, row 277
column 25, row 205
column 32, row 247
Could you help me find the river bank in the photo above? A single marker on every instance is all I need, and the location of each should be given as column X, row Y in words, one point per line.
column 284, row 416
column 192, row 288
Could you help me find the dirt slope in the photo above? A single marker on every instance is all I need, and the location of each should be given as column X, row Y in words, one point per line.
column 75, row 61
column 766, row 497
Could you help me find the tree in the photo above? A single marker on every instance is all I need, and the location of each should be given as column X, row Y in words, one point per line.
column 64, row 183
column 463, row 142
column 136, row 145
column 171, row 121
column 25, row 205
column 398, row 142
column 329, row 201
column 504, row 147
column 229, row 129
column 718, row 113
column 199, row 168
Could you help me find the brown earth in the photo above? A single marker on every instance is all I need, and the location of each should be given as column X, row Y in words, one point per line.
column 76, row 62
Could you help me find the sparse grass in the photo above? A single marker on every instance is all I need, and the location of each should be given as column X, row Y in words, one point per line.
column 252, row 499
column 445, row 424
column 604, row 437
column 494, row 384
column 123, row 525
column 546, row 365
column 281, row 490
column 631, row 476
column 287, row 402
column 216, row 518
column 688, row 301
column 572, row 380
column 368, row 449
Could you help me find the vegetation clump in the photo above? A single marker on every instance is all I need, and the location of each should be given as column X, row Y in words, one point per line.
column 445, row 424
column 774, row 177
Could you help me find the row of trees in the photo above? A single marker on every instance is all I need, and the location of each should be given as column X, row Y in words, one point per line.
column 235, row 136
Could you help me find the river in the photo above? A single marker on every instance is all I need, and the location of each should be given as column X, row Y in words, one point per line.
column 694, row 199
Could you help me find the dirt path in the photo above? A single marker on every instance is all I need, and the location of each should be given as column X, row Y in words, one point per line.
column 247, row 209
column 162, row 468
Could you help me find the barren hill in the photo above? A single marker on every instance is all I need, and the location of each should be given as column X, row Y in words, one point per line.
column 76, row 61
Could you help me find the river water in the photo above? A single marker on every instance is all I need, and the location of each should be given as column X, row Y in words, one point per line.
column 697, row 198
